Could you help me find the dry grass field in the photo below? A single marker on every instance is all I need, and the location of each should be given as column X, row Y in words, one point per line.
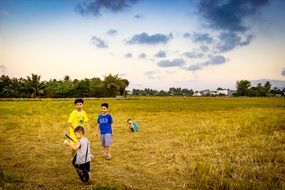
column 184, row 143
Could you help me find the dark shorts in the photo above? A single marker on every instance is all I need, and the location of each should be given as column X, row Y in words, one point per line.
column 106, row 139
column 85, row 166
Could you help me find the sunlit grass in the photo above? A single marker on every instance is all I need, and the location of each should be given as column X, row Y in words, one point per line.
column 184, row 143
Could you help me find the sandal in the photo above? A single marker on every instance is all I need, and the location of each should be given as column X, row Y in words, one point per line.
column 109, row 157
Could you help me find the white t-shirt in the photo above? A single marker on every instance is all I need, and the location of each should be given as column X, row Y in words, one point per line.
column 81, row 152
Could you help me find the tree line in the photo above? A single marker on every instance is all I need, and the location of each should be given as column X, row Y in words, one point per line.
column 110, row 86
column 245, row 88
column 32, row 87
column 171, row 92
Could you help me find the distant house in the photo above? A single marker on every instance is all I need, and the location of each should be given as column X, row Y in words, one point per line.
column 213, row 93
column 219, row 92
column 205, row 92
column 222, row 92
column 231, row 92
column 197, row 93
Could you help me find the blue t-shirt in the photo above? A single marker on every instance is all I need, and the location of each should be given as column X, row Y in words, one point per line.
column 105, row 122
column 136, row 127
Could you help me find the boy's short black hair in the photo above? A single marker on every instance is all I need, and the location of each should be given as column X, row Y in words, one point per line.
column 79, row 129
column 78, row 100
column 129, row 120
column 105, row 105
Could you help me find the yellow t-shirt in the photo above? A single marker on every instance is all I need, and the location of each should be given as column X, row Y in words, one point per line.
column 76, row 118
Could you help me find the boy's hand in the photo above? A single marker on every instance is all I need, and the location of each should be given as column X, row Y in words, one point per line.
column 66, row 142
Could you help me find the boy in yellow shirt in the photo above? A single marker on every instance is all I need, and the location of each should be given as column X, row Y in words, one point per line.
column 78, row 117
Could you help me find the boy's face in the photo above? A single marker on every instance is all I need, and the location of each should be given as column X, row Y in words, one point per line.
column 78, row 135
column 104, row 109
column 130, row 122
column 79, row 106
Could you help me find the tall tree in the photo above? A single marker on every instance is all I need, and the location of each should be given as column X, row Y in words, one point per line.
column 67, row 78
column 95, row 88
column 124, row 83
column 267, row 86
column 34, row 85
column 243, row 87
column 5, row 82
column 112, row 85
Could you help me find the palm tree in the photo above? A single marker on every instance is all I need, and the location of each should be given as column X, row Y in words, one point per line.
column 124, row 83
column 66, row 78
column 34, row 85
column 15, row 87
column 243, row 87
column 112, row 84
column 267, row 86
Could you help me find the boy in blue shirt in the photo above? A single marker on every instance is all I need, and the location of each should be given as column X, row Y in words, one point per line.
column 133, row 126
column 105, row 122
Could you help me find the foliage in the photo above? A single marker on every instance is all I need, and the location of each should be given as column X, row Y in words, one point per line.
column 171, row 92
column 32, row 87
column 110, row 86
column 244, row 88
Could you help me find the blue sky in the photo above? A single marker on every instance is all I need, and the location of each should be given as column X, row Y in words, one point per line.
column 158, row 44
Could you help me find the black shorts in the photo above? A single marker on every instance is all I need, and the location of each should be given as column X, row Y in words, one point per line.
column 85, row 166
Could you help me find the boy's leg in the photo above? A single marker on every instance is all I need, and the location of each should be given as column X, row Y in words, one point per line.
column 104, row 151
column 88, row 170
column 90, row 179
column 108, row 150
column 84, row 169
column 103, row 145
column 108, row 153
column 132, row 129
column 108, row 145
column 73, row 137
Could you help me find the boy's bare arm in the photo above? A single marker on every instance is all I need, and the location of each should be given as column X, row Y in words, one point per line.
column 97, row 129
column 72, row 146
column 75, row 146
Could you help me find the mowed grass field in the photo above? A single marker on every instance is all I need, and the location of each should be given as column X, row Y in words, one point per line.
column 184, row 143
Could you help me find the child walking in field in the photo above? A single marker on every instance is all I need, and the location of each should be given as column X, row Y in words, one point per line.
column 78, row 117
column 105, row 122
column 133, row 126
column 81, row 160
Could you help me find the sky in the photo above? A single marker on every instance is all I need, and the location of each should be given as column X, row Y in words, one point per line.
column 195, row 44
